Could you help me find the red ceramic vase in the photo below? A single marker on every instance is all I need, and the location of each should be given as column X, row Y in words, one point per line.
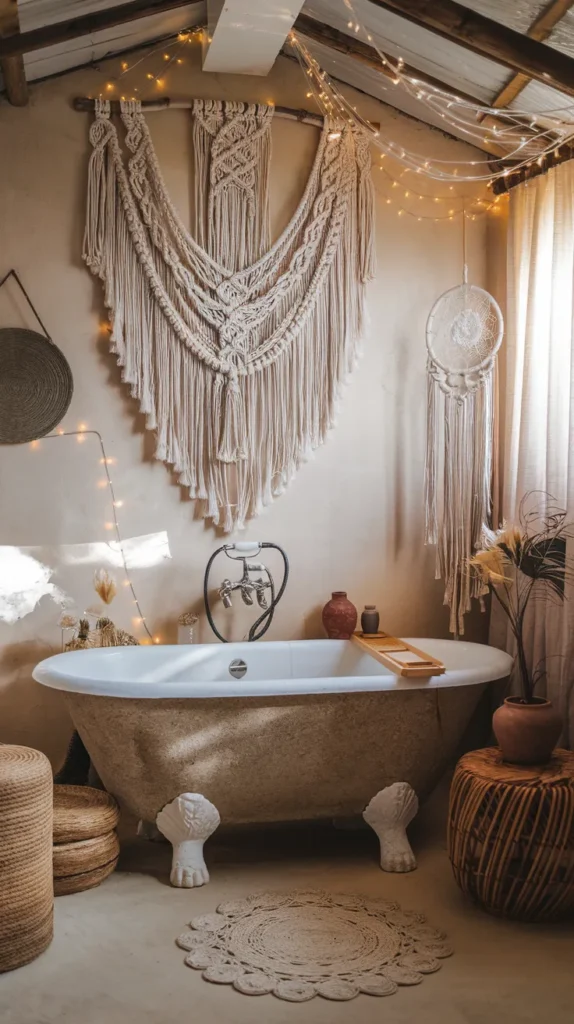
column 339, row 616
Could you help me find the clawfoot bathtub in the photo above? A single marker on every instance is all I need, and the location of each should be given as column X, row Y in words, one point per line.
column 186, row 736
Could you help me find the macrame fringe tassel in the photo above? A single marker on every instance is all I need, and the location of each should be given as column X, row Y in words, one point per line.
column 457, row 512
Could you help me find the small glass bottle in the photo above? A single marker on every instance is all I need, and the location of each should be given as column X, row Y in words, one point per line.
column 370, row 620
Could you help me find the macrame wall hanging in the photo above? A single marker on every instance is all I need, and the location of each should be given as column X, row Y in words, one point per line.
column 232, row 157
column 463, row 334
column 237, row 370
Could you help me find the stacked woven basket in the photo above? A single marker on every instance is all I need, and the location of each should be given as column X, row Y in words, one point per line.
column 86, row 846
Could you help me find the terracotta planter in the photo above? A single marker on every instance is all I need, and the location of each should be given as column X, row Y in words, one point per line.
column 339, row 616
column 527, row 733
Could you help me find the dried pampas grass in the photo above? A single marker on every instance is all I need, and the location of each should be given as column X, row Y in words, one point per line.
column 105, row 585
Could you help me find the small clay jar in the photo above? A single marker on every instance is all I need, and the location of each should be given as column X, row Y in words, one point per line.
column 527, row 733
column 339, row 616
column 370, row 619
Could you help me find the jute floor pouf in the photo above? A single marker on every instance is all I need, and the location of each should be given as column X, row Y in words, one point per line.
column 26, row 887
column 86, row 846
column 81, row 812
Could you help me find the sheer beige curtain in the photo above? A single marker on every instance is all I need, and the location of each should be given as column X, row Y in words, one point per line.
column 537, row 397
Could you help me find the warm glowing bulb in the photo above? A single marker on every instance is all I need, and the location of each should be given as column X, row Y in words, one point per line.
column 149, row 75
column 157, row 639
column 82, row 426
column 110, row 86
column 126, row 583
column 166, row 56
column 34, row 444
column 179, row 60
column 124, row 65
column 102, row 483
column 160, row 82
column 60, row 431
column 118, row 504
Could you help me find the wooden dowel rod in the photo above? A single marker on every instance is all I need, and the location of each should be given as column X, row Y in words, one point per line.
column 83, row 103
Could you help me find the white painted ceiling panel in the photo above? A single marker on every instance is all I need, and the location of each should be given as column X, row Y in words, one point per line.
column 427, row 52
column 37, row 13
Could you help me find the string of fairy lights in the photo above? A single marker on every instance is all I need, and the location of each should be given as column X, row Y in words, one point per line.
column 105, row 482
column 513, row 134
column 444, row 207
column 178, row 45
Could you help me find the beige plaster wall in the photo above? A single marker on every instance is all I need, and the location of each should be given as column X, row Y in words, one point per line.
column 353, row 518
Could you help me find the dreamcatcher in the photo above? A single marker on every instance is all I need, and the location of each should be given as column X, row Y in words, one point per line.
column 463, row 334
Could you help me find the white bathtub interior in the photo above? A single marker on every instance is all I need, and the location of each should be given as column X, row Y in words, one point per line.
column 272, row 669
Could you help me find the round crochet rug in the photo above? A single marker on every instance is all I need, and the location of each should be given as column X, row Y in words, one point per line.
column 297, row 945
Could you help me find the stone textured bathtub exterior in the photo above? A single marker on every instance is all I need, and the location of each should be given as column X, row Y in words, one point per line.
column 272, row 759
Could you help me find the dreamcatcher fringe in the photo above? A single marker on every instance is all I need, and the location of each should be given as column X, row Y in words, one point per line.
column 458, row 477
column 232, row 156
column 235, row 432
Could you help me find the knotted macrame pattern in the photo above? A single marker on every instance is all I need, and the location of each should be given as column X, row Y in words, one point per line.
column 237, row 371
column 232, row 153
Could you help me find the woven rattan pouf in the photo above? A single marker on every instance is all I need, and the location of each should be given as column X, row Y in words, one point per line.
column 26, row 890
column 511, row 834
column 86, row 846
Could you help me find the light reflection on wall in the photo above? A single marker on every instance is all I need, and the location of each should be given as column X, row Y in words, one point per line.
column 26, row 573
column 24, row 581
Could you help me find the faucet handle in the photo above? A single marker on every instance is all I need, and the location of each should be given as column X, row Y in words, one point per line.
column 225, row 593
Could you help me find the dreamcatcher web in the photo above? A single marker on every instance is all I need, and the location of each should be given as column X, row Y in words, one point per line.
column 464, row 329
column 464, row 332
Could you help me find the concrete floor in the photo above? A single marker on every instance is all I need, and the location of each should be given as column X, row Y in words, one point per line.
column 113, row 958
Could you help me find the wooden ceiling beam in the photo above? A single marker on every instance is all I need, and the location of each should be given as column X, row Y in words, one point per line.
column 84, row 25
column 558, row 156
column 488, row 38
column 12, row 68
column 540, row 30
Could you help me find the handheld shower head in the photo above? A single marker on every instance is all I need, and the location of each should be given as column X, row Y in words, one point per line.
column 249, row 588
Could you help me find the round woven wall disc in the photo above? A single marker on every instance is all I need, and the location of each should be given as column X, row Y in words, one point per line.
column 35, row 385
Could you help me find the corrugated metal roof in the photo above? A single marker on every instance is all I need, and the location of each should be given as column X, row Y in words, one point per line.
column 426, row 51
column 460, row 69
column 519, row 15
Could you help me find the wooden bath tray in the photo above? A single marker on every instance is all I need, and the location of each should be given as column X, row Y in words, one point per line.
column 396, row 655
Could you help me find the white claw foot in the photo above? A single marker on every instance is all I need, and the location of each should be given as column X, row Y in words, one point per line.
column 187, row 822
column 388, row 814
